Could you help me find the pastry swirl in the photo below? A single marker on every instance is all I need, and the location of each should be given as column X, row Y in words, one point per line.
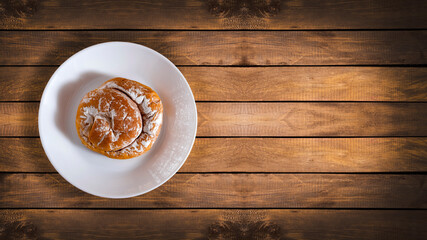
column 121, row 119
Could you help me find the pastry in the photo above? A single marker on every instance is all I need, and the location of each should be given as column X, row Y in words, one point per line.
column 121, row 119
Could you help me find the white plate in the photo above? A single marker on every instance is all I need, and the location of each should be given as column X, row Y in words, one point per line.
column 91, row 171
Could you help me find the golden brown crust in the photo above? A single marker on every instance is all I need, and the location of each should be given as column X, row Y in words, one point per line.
column 120, row 119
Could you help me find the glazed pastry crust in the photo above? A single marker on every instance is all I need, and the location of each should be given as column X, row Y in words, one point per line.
column 121, row 119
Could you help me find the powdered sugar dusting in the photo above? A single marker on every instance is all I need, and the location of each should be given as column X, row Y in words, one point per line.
column 116, row 137
column 149, row 127
column 89, row 114
column 137, row 95
column 99, row 116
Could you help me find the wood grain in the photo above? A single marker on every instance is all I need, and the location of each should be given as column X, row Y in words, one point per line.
column 228, row 191
column 267, row 119
column 24, row 83
column 312, row 119
column 18, row 119
column 212, row 224
column 307, row 155
column 307, row 83
column 261, row 155
column 228, row 47
column 250, row 84
column 213, row 14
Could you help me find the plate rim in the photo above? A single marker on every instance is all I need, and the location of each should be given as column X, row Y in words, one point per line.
column 43, row 97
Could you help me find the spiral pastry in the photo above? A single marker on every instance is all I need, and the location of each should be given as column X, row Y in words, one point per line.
column 121, row 119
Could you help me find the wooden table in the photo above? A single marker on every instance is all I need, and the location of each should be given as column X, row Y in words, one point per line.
column 312, row 119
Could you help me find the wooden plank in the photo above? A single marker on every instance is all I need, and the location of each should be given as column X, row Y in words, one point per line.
column 23, row 155
column 312, row 119
column 228, row 191
column 270, row 119
column 18, row 119
column 228, row 47
column 261, row 155
column 214, row 14
column 213, row 224
column 307, row 155
column 24, row 83
column 247, row 84
column 307, row 83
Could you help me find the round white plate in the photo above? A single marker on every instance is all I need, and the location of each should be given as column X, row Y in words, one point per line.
column 91, row 171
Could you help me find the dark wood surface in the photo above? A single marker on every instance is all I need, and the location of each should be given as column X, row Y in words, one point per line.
column 240, row 48
column 245, row 83
column 229, row 190
column 312, row 119
column 213, row 14
column 214, row 224
column 282, row 155
column 285, row 119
